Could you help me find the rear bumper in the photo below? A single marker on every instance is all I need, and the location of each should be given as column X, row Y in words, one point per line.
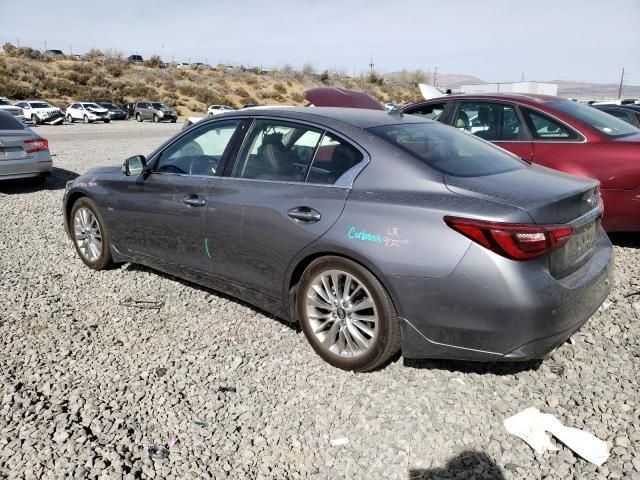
column 40, row 164
column 493, row 309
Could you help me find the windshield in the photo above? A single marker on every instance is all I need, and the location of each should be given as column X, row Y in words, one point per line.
column 160, row 106
column 4, row 102
column 601, row 121
column 40, row 105
column 448, row 150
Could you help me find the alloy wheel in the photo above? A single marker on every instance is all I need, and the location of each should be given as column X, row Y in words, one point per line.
column 87, row 234
column 341, row 313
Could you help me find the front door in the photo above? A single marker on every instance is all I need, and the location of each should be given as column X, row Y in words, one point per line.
column 283, row 192
column 163, row 215
column 497, row 122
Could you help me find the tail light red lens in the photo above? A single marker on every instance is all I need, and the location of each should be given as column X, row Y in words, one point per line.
column 36, row 145
column 512, row 240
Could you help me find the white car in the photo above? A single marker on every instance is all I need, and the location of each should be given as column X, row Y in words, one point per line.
column 7, row 106
column 87, row 113
column 218, row 109
column 38, row 111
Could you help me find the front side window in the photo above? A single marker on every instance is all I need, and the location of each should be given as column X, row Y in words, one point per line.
column 333, row 158
column 432, row 111
column 603, row 122
column 489, row 121
column 449, row 151
column 278, row 151
column 199, row 152
column 543, row 127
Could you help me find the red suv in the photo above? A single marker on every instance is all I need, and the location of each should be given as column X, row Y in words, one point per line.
column 557, row 133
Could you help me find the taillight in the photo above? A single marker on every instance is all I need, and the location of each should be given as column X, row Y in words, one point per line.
column 512, row 240
column 36, row 145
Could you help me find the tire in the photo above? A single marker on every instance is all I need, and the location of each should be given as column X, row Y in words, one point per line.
column 138, row 117
column 70, row 119
column 173, row 121
column 107, row 121
column 155, row 118
column 87, row 255
column 35, row 119
column 126, row 117
column 86, row 119
column 377, row 342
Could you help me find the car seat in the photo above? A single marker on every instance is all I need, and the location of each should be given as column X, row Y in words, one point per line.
column 487, row 118
column 462, row 121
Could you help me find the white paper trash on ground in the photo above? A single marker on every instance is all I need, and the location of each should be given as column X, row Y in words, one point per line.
column 337, row 442
column 532, row 426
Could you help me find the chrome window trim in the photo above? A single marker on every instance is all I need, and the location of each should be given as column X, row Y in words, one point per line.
column 562, row 122
column 346, row 179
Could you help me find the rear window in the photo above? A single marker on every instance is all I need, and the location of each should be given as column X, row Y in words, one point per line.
column 9, row 122
column 601, row 121
column 448, row 150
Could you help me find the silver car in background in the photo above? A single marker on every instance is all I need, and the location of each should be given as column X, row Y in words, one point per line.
column 7, row 106
column 23, row 153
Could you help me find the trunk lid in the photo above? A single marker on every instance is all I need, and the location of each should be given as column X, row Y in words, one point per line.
column 12, row 146
column 550, row 197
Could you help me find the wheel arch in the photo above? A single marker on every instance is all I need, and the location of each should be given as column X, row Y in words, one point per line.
column 300, row 265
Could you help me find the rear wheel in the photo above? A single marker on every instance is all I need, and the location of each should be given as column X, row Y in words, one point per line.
column 138, row 117
column 89, row 235
column 347, row 315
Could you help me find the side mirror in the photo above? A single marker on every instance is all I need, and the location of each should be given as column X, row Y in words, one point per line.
column 134, row 166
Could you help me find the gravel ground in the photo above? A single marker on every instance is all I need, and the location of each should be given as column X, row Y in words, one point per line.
column 89, row 384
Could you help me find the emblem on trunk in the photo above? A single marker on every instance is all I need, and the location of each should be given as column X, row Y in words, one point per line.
column 592, row 201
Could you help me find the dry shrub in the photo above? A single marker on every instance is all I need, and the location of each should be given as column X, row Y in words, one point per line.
column 280, row 88
column 297, row 97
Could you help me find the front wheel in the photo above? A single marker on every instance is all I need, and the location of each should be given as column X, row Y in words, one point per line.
column 347, row 315
column 69, row 119
column 155, row 118
column 89, row 235
column 86, row 119
column 35, row 119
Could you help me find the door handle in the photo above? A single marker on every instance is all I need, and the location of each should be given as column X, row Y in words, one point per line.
column 194, row 201
column 304, row 214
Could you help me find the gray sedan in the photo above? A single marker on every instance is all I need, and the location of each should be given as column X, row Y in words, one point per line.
column 23, row 153
column 379, row 233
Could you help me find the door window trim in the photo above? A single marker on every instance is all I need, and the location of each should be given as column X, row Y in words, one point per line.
column 581, row 137
column 155, row 155
column 346, row 179
column 515, row 107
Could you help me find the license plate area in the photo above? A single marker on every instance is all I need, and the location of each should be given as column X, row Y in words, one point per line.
column 577, row 250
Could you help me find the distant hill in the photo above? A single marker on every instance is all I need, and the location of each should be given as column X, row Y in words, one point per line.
column 595, row 91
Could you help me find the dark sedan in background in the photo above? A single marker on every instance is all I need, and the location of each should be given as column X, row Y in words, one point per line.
column 557, row 133
column 377, row 232
column 115, row 112
column 629, row 113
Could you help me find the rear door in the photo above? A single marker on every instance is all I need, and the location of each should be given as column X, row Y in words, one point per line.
column 497, row 122
column 285, row 190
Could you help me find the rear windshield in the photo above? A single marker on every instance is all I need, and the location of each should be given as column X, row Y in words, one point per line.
column 8, row 122
column 448, row 150
column 601, row 121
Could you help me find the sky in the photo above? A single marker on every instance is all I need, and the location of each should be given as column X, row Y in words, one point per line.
column 494, row 40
